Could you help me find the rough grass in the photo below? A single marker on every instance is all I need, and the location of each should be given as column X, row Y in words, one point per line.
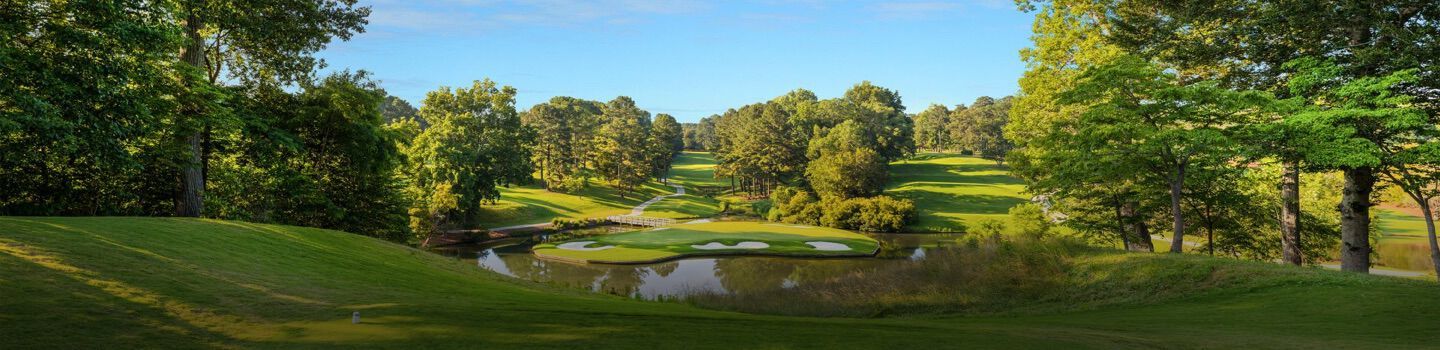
column 649, row 245
column 951, row 191
column 1017, row 277
column 184, row 283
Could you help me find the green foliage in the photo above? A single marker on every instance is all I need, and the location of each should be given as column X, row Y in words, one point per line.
column 561, row 224
column 565, row 130
column 980, row 127
column 870, row 214
column 665, row 142
column 321, row 157
column 85, row 120
column 843, row 167
column 475, row 143
column 932, row 128
column 621, row 152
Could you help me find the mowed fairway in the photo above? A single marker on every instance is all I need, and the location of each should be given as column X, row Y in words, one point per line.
column 727, row 238
column 520, row 205
column 952, row 191
column 73, row 283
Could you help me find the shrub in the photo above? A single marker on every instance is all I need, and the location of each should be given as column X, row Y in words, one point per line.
column 568, row 185
column 872, row 214
column 560, row 224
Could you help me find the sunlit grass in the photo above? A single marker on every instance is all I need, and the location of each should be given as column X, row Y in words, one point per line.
column 187, row 283
column 952, row 191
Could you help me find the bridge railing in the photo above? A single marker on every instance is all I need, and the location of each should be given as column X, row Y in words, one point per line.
column 640, row 220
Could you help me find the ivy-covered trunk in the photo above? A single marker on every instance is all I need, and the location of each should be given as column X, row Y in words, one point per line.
column 1355, row 219
column 1290, row 251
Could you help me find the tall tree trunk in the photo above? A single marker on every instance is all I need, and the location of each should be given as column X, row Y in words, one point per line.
column 1355, row 220
column 1290, row 251
column 1177, row 186
column 1430, row 233
column 192, row 182
column 1135, row 226
column 1210, row 236
column 1121, row 227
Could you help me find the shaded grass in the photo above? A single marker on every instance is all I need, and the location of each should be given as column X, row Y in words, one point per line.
column 186, row 283
column 649, row 245
column 952, row 191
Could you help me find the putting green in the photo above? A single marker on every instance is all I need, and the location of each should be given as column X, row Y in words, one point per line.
column 711, row 238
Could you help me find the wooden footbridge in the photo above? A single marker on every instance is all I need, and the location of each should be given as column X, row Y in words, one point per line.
column 640, row 220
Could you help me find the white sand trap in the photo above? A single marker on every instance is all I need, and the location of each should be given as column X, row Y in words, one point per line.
column 659, row 229
column 701, row 221
column 828, row 246
column 794, row 226
column 581, row 246
column 741, row 245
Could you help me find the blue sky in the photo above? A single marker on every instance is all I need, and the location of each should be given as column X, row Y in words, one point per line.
column 692, row 58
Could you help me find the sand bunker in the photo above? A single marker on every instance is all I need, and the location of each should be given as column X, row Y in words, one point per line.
column 828, row 246
column 741, row 245
column 701, row 221
column 581, row 246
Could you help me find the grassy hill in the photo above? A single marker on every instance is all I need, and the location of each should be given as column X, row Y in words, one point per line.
column 952, row 190
column 172, row 283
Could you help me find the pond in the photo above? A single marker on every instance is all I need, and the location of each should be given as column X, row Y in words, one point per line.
column 680, row 278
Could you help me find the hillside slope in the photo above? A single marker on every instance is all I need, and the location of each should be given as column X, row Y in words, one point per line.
column 173, row 283
column 952, row 191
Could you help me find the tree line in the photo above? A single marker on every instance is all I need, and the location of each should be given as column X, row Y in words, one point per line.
column 826, row 158
column 1251, row 122
column 976, row 129
column 214, row 109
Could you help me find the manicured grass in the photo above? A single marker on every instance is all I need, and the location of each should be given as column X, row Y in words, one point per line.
column 687, row 206
column 530, row 204
column 520, row 205
column 185, row 283
column 650, row 245
column 693, row 169
column 952, row 191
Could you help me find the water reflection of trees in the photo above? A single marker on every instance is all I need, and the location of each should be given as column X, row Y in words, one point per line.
column 751, row 275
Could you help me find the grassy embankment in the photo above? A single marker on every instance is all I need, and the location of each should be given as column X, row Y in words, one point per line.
column 171, row 283
column 652, row 245
column 951, row 191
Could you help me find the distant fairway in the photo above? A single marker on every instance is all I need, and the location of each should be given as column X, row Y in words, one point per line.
column 693, row 169
column 952, row 191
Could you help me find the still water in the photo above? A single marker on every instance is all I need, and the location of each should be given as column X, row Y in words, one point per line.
column 679, row 278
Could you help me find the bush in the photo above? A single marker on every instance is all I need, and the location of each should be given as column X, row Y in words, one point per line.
column 560, row 224
column 568, row 185
column 872, row 214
